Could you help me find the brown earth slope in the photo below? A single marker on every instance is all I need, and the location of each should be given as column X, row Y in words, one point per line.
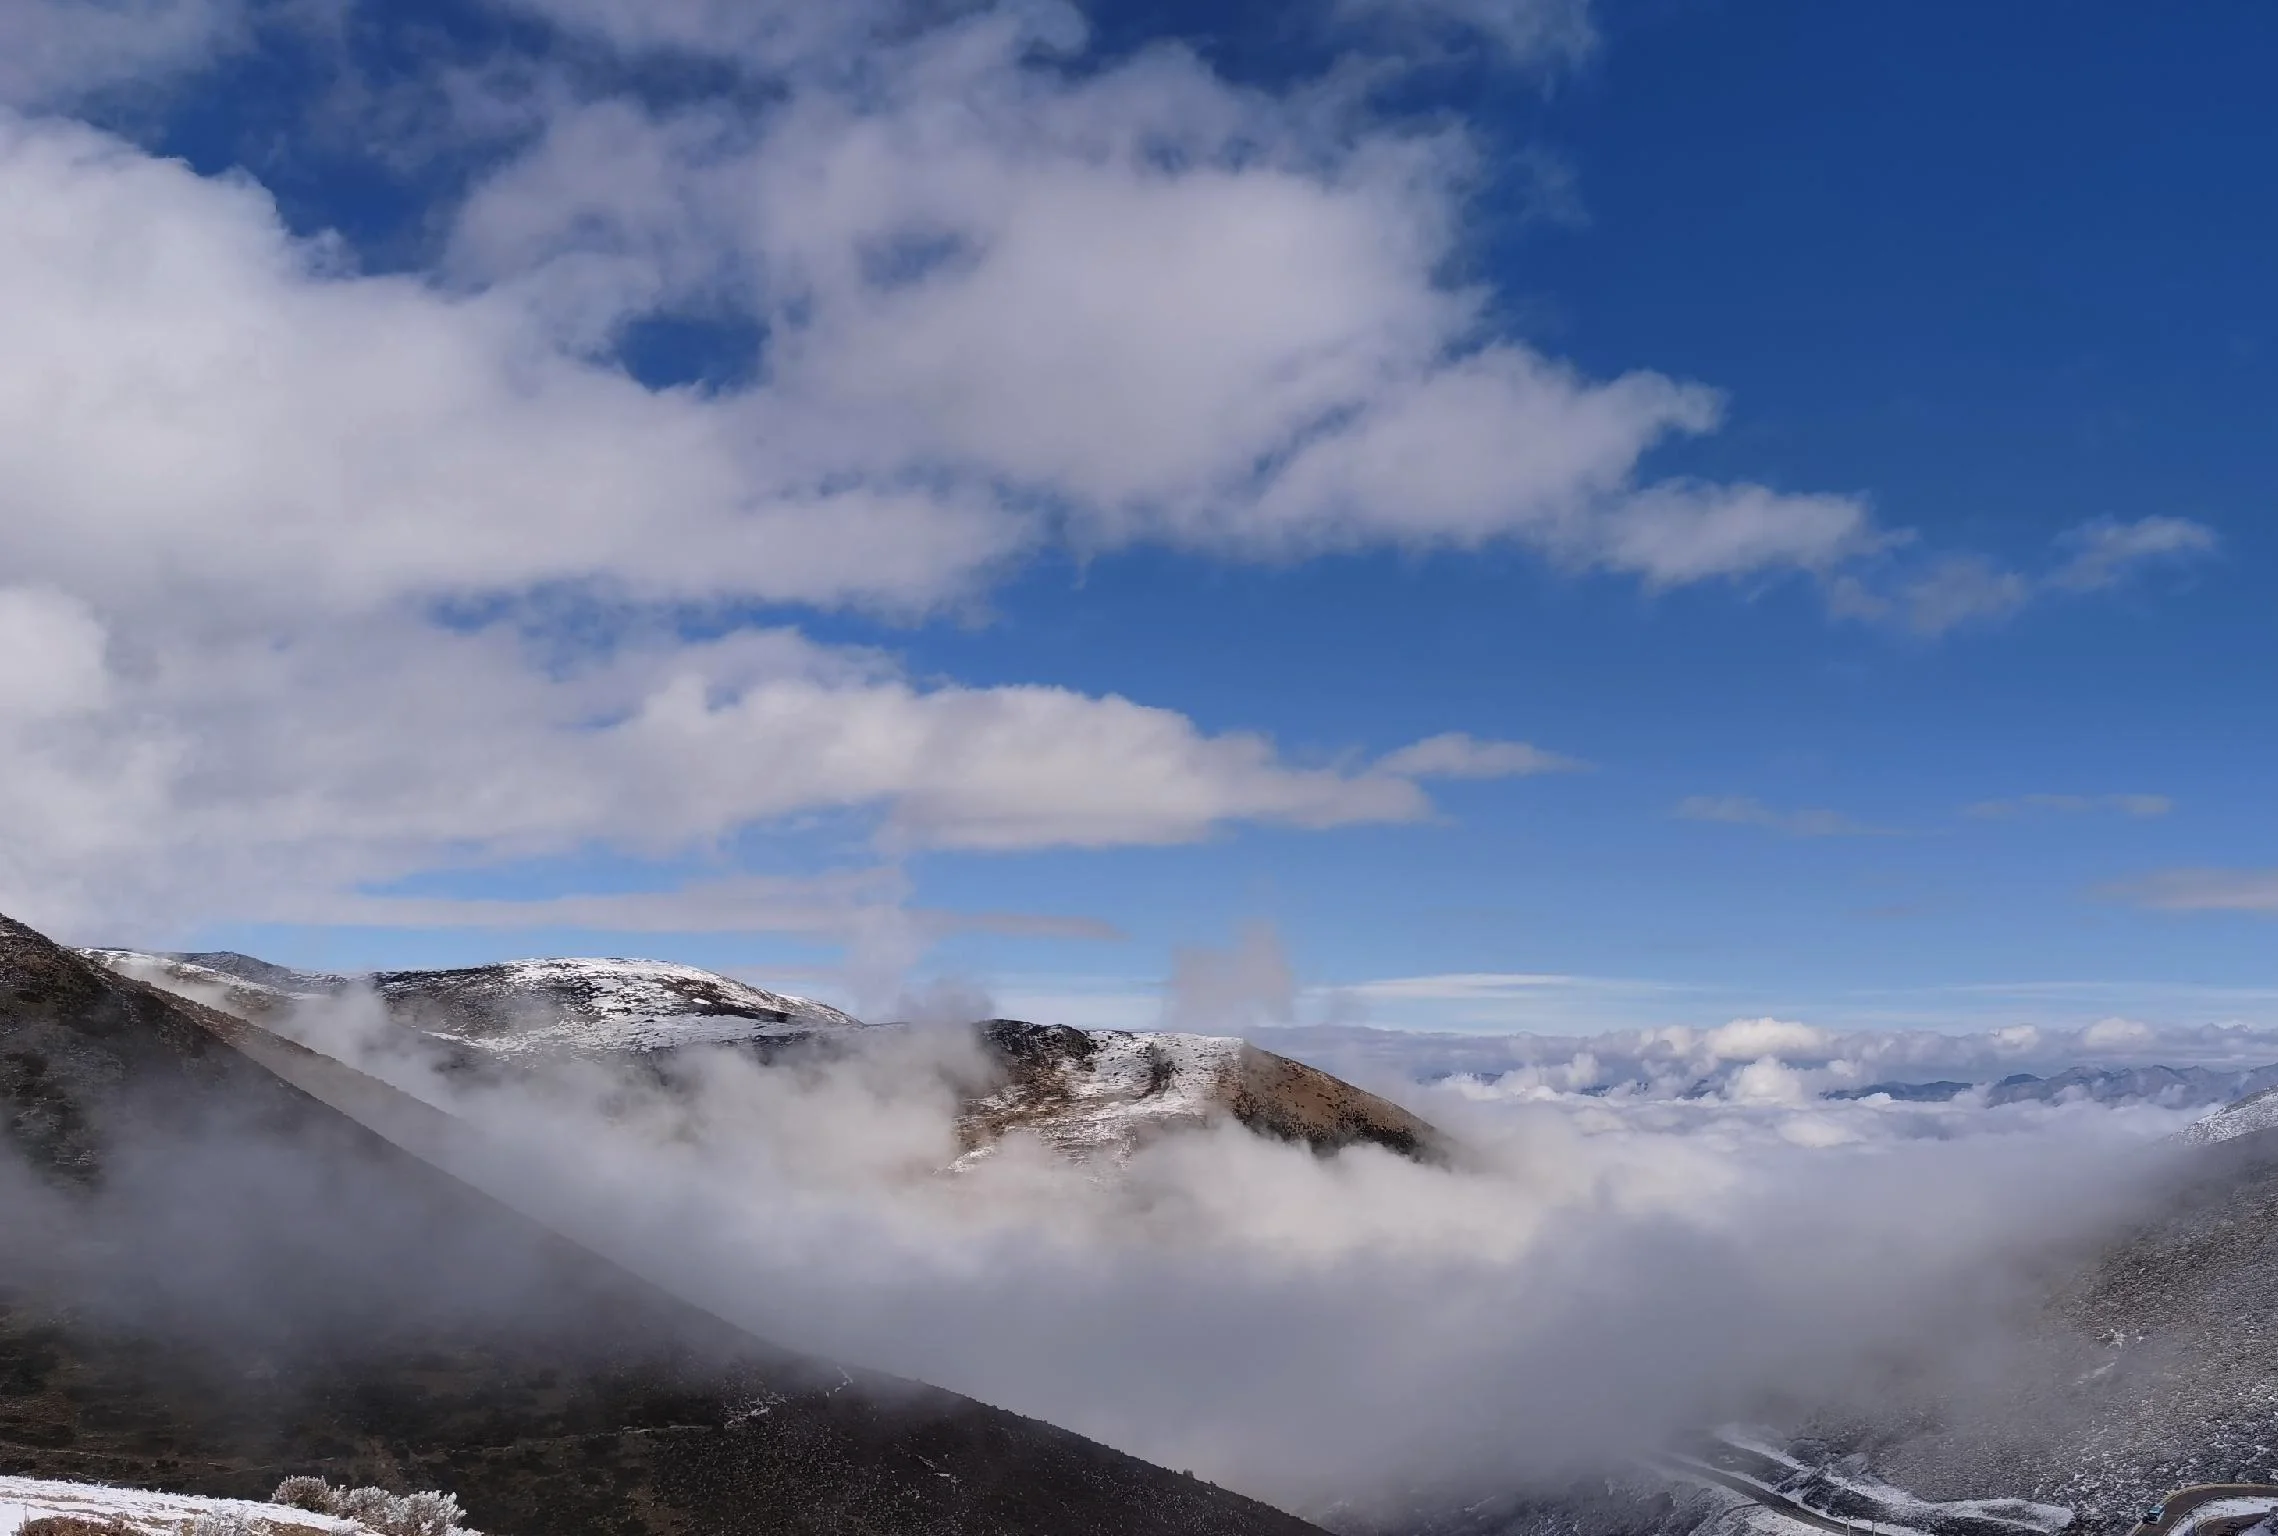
column 1089, row 1091
column 211, row 1280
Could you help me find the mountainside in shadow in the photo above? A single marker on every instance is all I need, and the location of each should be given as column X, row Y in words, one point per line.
column 214, row 1280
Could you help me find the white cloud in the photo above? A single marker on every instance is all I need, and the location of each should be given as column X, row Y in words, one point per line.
column 2106, row 552
column 839, row 905
column 192, row 790
column 54, row 50
column 1776, row 1039
column 1455, row 755
column 2117, row 1034
column 2128, row 805
column 1743, row 811
column 51, row 656
column 1735, row 1060
column 776, row 33
column 2204, row 890
column 1231, row 990
column 1952, row 591
column 1172, row 310
column 1007, row 305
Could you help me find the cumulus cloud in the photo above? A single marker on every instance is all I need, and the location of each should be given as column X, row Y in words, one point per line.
column 1745, row 811
column 1749, row 1039
column 348, row 574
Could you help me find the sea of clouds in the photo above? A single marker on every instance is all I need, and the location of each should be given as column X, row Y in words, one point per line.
column 1588, row 1276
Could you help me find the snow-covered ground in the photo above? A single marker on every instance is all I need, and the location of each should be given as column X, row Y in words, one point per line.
column 1129, row 1086
column 593, row 1005
column 1846, row 1491
column 2256, row 1113
column 24, row 1499
column 2224, row 1514
column 520, row 1007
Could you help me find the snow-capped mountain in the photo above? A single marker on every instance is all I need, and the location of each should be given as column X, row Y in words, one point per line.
column 1083, row 1092
column 581, row 1006
column 588, row 1006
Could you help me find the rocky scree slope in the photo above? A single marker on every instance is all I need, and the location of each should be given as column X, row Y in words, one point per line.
column 214, row 1280
column 1086, row 1093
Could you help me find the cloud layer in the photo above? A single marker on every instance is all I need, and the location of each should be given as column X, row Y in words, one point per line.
column 1353, row 1329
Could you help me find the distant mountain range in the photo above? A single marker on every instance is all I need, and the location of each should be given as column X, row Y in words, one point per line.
column 2168, row 1087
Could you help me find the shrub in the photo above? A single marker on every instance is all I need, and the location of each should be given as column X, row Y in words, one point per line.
column 313, row 1494
column 73, row 1525
column 376, row 1509
column 218, row 1523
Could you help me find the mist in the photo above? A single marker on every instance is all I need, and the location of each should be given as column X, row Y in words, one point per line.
column 1581, row 1282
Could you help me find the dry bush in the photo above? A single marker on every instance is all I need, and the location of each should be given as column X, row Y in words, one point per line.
column 73, row 1525
column 313, row 1494
column 376, row 1509
column 218, row 1523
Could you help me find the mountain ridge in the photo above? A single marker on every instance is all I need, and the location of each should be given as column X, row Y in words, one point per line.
column 1085, row 1093
column 235, row 1282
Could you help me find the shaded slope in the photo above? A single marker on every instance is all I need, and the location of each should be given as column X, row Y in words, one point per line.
column 214, row 1280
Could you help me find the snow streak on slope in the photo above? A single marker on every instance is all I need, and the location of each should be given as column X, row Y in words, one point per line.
column 147, row 1513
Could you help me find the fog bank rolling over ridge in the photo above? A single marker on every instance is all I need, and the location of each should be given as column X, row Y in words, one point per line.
column 1590, row 1275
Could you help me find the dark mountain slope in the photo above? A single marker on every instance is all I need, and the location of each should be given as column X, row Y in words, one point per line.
column 211, row 1279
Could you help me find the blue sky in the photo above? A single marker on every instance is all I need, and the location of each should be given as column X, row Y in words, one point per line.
column 1990, row 285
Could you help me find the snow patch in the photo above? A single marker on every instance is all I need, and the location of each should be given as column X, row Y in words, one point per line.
column 149, row 1513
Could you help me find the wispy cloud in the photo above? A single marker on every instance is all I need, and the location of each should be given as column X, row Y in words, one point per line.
column 1745, row 811
column 2202, row 890
column 2025, row 805
column 1951, row 591
column 828, row 906
column 1455, row 755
